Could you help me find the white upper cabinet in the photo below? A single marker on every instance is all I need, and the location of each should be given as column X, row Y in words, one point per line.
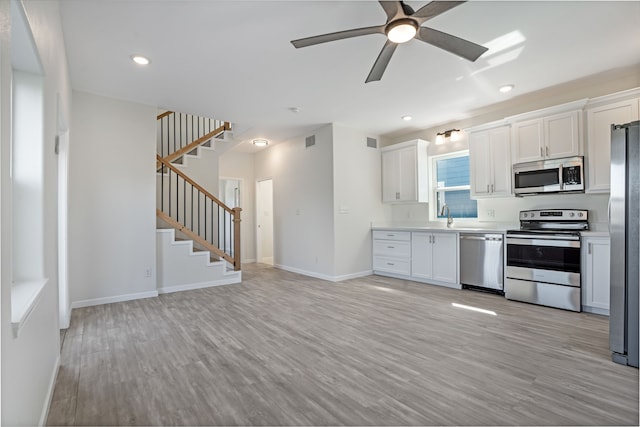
column 490, row 162
column 549, row 137
column 404, row 172
column 600, row 117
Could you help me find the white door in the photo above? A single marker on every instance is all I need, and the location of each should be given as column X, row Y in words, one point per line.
column 264, row 221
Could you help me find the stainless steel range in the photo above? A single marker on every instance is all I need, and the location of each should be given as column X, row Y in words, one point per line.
column 543, row 258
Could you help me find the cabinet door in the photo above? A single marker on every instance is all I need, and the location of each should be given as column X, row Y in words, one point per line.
column 480, row 164
column 390, row 176
column 599, row 121
column 500, row 162
column 562, row 137
column 421, row 255
column 408, row 174
column 528, row 141
column 596, row 273
column 445, row 257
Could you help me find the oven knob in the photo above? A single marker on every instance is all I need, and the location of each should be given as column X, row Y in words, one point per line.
column 525, row 215
column 571, row 214
column 580, row 214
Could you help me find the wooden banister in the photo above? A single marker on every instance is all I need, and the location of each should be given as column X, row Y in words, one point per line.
column 235, row 261
column 165, row 114
column 184, row 150
column 192, row 182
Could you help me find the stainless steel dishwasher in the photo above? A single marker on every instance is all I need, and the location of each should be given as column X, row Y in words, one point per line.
column 482, row 261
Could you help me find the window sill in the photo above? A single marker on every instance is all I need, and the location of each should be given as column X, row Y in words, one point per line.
column 24, row 298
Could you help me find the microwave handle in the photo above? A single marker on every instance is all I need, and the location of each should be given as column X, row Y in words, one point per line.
column 561, row 177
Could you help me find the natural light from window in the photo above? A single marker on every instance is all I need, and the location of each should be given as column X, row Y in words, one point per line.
column 450, row 185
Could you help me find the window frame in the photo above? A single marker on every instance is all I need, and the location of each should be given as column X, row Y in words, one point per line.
column 433, row 184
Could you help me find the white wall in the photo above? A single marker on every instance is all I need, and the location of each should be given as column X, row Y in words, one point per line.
column 29, row 362
column 357, row 189
column 234, row 164
column 112, row 197
column 302, row 202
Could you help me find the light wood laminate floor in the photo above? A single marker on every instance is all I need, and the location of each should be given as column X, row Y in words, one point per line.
column 285, row 349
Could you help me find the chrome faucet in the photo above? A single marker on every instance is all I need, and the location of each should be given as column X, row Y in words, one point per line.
column 449, row 219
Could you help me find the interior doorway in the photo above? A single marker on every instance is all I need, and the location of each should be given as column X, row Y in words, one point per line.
column 264, row 221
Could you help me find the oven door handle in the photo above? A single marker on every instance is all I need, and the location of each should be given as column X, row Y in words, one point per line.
column 542, row 237
column 564, row 243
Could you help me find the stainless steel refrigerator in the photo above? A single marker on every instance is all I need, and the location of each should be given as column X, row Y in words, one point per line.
column 624, row 211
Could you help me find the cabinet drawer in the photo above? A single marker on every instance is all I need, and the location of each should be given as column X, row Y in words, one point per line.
column 391, row 265
column 392, row 248
column 391, row 235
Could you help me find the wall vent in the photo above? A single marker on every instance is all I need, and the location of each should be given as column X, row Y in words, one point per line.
column 372, row 142
column 310, row 141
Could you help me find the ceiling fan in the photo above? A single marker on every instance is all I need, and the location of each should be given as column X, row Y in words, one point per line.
column 404, row 24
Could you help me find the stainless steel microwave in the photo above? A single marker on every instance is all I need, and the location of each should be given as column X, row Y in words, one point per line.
column 549, row 176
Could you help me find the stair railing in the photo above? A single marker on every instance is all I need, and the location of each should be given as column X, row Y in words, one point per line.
column 180, row 133
column 192, row 210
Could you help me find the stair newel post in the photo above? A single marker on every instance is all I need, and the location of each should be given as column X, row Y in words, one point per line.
column 236, row 238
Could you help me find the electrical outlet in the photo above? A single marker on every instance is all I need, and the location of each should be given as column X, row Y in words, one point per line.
column 491, row 213
column 147, row 272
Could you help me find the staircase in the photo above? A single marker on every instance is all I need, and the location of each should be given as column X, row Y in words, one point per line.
column 198, row 236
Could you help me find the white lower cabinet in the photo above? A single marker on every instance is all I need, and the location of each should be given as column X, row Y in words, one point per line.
column 392, row 252
column 430, row 257
column 595, row 274
column 434, row 256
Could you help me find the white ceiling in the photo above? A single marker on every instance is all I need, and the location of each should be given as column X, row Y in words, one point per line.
column 233, row 60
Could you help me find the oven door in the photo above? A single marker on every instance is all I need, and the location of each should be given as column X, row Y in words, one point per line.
column 544, row 258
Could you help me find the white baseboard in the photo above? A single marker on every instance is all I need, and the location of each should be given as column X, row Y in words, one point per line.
column 110, row 300
column 47, row 401
column 323, row 276
column 192, row 286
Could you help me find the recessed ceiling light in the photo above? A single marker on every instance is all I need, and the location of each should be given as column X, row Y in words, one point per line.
column 406, row 118
column 140, row 60
column 260, row 142
column 506, row 88
column 294, row 109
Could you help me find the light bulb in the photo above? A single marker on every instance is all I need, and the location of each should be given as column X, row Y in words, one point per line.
column 402, row 32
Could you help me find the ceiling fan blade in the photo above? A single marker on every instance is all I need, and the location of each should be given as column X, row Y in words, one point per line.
column 310, row 41
column 435, row 8
column 393, row 9
column 381, row 63
column 453, row 44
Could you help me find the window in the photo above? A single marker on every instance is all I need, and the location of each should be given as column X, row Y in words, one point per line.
column 451, row 186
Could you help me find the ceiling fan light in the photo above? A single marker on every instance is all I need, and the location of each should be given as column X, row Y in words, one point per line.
column 402, row 31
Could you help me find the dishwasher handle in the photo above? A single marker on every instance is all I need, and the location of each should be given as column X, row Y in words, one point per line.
column 484, row 238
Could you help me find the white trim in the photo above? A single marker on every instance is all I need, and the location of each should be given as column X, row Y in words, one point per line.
column 613, row 97
column 549, row 111
column 110, row 300
column 595, row 310
column 200, row 285
column 49, row 397
column 324, row 276
column 24, row 298
column 64, row 323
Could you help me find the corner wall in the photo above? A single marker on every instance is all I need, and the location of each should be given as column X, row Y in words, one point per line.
column 112, row 187
column 302, row 202
column 30, row 361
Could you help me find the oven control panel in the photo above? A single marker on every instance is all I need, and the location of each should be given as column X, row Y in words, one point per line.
column 554, row 215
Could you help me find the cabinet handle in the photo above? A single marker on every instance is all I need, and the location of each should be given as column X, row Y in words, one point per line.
column 589, row 248
column 541, row 152
column 390, row 263
column 487, row 188
column 433, row 239
column 547, row 148
column 397, row 195
column 390, row 235
column 492, row 188
column 391, row 247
